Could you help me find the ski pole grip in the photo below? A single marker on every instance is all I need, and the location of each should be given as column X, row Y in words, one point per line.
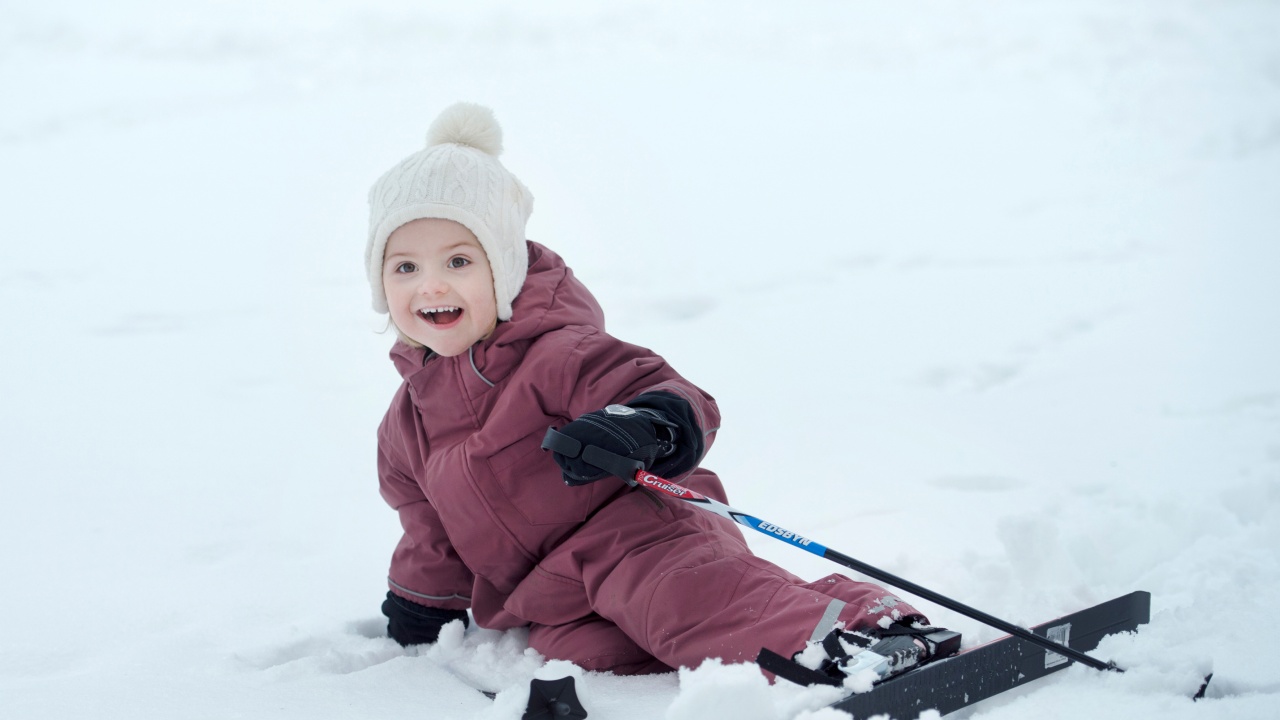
column 612, row 463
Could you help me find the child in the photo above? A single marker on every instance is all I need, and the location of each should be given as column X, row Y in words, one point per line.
column 499, row 341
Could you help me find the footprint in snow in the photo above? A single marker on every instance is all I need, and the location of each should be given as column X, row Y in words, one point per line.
column 141, row 324
column 683, row 308
column 977, row 378
column 362, row 647
column 977, row 483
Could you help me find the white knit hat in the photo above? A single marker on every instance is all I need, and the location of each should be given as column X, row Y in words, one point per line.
column 456, row 177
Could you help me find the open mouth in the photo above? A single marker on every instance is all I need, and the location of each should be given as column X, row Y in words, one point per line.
column 442, row 316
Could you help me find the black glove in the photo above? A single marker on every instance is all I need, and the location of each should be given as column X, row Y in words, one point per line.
column 656, row 428
column 409, row 623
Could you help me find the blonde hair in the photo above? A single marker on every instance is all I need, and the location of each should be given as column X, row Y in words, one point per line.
column 391, row 325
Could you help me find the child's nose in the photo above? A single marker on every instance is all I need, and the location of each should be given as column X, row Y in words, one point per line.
column 432, row 285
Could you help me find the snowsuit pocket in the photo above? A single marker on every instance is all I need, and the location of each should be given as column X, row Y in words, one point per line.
column 531, row 481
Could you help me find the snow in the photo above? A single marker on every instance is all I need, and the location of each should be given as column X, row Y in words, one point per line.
column 987, row 294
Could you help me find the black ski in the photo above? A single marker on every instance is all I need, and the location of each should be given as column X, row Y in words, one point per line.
column 986, row 670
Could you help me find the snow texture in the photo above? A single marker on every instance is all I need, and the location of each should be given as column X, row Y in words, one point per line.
column 1009, row 269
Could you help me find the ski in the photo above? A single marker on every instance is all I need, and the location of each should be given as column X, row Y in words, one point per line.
column 984, row 671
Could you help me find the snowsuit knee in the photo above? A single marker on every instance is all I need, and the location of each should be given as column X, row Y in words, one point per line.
column 605, row 575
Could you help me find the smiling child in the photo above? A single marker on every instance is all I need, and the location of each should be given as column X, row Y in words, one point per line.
column 498, row 341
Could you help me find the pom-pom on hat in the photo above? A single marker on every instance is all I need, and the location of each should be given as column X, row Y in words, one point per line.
column 456, row 177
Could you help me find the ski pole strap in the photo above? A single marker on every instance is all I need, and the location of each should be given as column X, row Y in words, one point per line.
column 558, row 442
column 612, row 463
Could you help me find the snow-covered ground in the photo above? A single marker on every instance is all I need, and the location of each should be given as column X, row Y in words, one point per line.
column 989, row 294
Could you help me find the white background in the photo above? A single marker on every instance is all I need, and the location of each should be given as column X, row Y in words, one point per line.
column 987, row 293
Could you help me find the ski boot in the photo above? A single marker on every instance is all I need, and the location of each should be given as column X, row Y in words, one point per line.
column 883, row 651
column 842, row 654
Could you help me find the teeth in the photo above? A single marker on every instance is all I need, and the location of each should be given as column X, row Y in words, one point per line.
column 439, row 309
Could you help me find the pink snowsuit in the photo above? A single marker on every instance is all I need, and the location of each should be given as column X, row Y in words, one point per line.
column 604, row 575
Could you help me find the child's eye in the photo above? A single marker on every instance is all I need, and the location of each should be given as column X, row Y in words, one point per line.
column 406, row 267
column 458, row 262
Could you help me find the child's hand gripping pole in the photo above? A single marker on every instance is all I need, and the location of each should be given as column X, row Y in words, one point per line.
column 621, row 467
column 634, row 474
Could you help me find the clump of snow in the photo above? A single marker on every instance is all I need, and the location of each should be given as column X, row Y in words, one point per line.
column 740, row 691
column 486, row 659
column 812, row 655
column 860, row 681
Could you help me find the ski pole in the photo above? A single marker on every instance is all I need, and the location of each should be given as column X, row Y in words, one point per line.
column 634, row 474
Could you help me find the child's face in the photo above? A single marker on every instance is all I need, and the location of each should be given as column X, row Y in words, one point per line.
column 439, row 285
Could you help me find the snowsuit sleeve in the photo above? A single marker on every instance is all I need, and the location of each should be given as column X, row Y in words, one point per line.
column 603, row 370
column 424, row 567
